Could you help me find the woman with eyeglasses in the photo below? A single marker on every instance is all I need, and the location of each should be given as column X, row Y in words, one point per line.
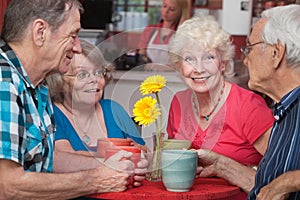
column 81, row 115
column 227, row 124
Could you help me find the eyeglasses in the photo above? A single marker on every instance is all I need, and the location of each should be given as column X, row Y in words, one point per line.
column 246, row 49
column 84, row 75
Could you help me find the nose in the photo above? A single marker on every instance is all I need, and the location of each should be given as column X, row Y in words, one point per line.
column 245, row 61
column 76, row 45
column 94, row 78
column 198, row 66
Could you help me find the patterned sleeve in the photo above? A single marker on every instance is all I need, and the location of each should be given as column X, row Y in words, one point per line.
column 11, row 125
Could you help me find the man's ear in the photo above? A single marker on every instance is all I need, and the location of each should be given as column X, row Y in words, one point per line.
column 39, row 32
column 278, row 53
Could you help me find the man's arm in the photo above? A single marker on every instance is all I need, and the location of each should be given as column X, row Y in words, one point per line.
column 280, row 187
column 65, row 162
column 74, row 162
column 213, row 164
column 15, row 183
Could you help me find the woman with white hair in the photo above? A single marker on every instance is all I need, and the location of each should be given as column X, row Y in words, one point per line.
column 228, row 125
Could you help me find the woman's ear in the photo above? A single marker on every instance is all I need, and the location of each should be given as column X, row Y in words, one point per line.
column 178, row 65
column 278, row 53
column 223, row 65
column 39, row 28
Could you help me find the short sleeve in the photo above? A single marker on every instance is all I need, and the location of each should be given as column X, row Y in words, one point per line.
column 174, row 118
column 256, row 116
column 116, row 118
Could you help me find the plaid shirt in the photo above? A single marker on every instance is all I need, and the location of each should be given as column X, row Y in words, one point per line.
column 26, row 117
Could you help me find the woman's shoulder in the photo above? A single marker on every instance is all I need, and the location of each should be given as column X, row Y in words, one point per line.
column 109, row 103
column 183, row 93
column 57, row 111
column 240, row 91
column 245, row 95
column 149, row 29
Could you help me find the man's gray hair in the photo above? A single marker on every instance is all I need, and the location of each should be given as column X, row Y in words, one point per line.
column 283, row 24
column 20, row 13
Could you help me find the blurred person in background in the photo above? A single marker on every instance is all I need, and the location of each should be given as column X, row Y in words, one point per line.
column 153, row 45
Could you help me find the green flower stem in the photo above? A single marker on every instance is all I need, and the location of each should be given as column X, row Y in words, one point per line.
column 155, row 168
column 159, row 130
column 156, row 162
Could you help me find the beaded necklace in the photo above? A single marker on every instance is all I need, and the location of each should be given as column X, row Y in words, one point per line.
column 196, row 107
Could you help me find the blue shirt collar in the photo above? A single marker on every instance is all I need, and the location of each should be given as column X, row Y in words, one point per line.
column 286, row 103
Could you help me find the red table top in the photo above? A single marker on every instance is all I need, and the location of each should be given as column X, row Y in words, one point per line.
column 203, row 188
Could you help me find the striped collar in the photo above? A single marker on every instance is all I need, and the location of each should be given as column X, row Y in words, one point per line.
column 286, row 103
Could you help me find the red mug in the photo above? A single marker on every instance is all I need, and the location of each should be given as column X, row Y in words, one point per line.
column 136, row 153
column 104, row 143
column 135, row 157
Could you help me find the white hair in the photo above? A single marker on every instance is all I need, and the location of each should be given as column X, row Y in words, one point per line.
column 283, row 24
column 204, row 31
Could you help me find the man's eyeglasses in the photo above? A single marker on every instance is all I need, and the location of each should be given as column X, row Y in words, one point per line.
column 246, row 49
column 84, row 75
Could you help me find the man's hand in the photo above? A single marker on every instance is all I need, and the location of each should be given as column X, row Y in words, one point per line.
column 280, row 187
column 207, row 161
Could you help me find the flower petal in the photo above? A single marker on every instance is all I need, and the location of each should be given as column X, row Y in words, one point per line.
column 145, row 111
column 152, row 84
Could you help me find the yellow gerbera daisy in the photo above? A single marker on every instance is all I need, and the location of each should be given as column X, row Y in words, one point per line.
column 145, row 111
column 152, row 84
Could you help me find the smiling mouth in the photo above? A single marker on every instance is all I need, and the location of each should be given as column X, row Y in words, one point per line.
column 200, row 78
column 93, row 90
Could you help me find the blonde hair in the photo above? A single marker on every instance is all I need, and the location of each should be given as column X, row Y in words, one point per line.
column 204, row 31
column 185, row 10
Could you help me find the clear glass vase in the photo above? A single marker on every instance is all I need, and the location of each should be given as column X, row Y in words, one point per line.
column 154, row 160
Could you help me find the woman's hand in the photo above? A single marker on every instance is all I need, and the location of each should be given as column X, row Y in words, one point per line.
column 140, row 172
column 121, row 162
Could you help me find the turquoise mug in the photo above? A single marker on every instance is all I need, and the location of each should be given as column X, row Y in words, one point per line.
column 179, row 169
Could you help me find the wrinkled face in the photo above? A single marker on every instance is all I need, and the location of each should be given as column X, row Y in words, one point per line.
column 258, row 59
column 64, row 43
column 84, row 82
column 202, row 70
column 170, row 11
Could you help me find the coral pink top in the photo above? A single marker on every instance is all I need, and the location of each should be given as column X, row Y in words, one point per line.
column 241, row 120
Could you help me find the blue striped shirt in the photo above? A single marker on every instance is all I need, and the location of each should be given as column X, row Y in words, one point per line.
column 283, row 153
column 26, row 117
